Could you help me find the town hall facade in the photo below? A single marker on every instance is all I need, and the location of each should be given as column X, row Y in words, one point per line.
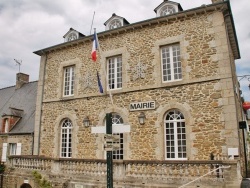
column 171, row 79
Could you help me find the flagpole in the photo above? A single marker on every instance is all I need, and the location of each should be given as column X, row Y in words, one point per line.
column 92, row 23
column 100, row 51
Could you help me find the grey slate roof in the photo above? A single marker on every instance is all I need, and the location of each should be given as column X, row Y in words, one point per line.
column 23, row 98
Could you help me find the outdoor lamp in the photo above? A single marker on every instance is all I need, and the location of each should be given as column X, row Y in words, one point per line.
column 86, row 121
column 141, row 118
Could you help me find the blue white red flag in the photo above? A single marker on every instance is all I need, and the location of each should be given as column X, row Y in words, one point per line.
column 94, row 47
column 99, row 83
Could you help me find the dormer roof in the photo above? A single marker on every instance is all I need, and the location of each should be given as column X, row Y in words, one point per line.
column 166, row 4
column 72, row 34
column 19, row 104
column 115, row 21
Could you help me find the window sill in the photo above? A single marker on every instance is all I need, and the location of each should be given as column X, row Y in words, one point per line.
column 66, row 98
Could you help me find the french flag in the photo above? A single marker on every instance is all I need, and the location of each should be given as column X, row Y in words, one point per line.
column 94, row 47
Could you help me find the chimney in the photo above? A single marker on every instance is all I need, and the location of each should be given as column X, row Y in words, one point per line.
column 217, row 1
column 21, row 79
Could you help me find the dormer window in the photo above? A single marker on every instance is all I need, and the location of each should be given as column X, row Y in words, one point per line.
column 6, row 125
column 168, row 9
column 115, row 24
column 72, row 34
column 10, row 120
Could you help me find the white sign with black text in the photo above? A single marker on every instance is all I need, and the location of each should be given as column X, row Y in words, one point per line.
column 148, row 105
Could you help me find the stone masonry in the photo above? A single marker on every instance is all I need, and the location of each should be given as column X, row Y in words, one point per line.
column 205, row 95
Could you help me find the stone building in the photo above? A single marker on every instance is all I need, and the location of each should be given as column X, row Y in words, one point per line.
column 17, row 110
column 175, row 73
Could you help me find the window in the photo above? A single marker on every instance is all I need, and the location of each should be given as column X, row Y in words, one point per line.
column 72, row 36
column 6, row 127
column 117, row 119
column 167, row 10
column 175, row 135
column 66, row 138
column 69, row 81
column 13, row 147
column 171, row 64
column 115, row 72
column 115, row 24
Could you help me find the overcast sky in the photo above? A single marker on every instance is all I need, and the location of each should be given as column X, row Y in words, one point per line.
column 30, row 25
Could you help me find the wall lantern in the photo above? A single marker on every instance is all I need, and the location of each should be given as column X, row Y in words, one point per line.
column 86, row 121
column 141, row 118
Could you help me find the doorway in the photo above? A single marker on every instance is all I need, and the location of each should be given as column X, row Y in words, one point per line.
column 25, row 185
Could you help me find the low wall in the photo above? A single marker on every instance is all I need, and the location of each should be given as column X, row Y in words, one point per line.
column 79, row 173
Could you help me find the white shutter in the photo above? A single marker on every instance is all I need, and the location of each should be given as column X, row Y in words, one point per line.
column 4, row 152
column 18, row 148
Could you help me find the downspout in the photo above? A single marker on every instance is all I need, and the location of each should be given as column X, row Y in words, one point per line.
column 234, row 78
column 32, row 146
column 41, row 108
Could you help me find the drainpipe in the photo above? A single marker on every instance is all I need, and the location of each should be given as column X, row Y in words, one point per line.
column 41, row 110
column 235, row 96
column 32, row 146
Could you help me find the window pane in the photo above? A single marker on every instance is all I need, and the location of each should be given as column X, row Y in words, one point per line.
column 115, row 72
column 175, row 135
column 118, row 154
column 66, row 138
column 171, row 64
column 69, row 81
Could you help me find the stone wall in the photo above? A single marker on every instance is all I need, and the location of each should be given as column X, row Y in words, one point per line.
column 200, row 103
column 25, row 140
column 203, row 45
column 3, row 139
column 205, row 95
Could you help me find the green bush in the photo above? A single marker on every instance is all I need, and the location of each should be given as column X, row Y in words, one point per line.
column 2, row 168
column 42, row 182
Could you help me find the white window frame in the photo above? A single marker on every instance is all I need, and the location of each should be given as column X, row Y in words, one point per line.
column 68, row 81
column 115, row 24
column 118, row 154
column 173, row 134
column 117, row 121
column 4, row 152
column 66, row 139
column 171, row 63
column 114, row 67
column 13, row 148
column 6, row 125
column 167, row 9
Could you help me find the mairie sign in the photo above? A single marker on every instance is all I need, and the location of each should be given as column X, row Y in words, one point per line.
column 142, row 105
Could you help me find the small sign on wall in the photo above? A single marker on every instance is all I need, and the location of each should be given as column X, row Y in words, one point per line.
column 148, row 105
column 232, row 152
column 26, row 181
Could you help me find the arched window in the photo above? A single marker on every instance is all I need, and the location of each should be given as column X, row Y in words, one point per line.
column 175, row 135
column 117, row 119
column 66, row 138
column 168, row 9
column 115, row 24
